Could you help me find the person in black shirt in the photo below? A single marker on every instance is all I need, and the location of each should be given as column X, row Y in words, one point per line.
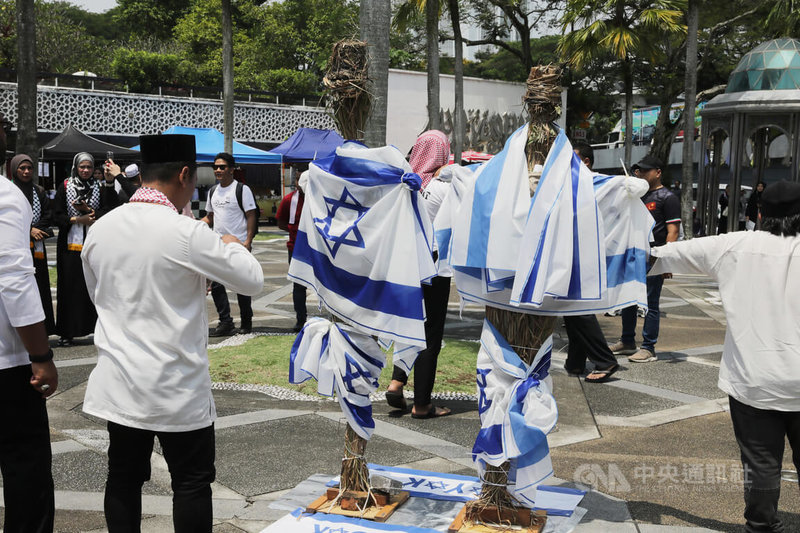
column 666, row 211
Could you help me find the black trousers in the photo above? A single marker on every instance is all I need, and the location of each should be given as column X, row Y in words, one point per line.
column 299, row 299
column 25, row 458
column 436, row 296
column 224, row 307
column 586, row 340
column 190, row 458
column 760, row 434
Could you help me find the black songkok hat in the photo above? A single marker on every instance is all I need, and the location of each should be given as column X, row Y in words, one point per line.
column 169, row 148
column 648, row 162
column 780, row 200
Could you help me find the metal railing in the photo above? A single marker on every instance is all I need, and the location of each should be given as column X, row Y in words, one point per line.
column 165, row 89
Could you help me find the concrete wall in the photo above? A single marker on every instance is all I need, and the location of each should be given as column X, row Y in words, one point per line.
column 408, row 99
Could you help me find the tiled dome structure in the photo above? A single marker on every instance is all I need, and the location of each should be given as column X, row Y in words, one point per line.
column 772, row 65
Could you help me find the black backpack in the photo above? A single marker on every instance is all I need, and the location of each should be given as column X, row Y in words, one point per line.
column 239, row 192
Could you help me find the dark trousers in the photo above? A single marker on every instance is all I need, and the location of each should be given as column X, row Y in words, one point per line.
column 25, row 459
column 760, row 434
column 651, row 320
column 299, row 299
column 586, row 340
column 220, row 297
column 190, row 458
column 436, row 296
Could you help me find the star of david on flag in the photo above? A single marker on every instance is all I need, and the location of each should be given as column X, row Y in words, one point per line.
column 345, row 224
column 364, row 245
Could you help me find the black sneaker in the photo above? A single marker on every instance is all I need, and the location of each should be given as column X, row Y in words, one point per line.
column 298, row 326
column 224, row 329
column 245, row 328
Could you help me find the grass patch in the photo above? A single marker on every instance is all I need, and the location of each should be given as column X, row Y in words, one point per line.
column 51, row 271
column 265, row 361
column 268, row 237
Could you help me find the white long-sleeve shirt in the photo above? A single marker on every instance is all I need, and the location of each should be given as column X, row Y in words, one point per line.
column 759, row 282
column 19, row 297
column 146, row 268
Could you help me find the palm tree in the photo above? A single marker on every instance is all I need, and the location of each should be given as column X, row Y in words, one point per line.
column 408, row 11
column 375, row 18
column 227, row 75
column 626, row 29
column 26, row 79
column 458, row 70
column 690, row 100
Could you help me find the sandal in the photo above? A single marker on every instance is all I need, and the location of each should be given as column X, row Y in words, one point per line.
column 434, row 412
column 396, row 400
column 605, row 374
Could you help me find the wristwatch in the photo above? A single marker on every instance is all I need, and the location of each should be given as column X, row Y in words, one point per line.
column 41, row 358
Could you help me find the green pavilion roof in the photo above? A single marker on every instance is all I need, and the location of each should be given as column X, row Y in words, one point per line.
column 773, row 65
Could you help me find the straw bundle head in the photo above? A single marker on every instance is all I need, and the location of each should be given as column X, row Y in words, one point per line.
column 346, row 85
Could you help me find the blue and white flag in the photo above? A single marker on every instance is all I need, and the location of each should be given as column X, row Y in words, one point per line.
column 517, row 412
column 363, row 244
column 345, row 363
column 488, row 230
column 584, row 241
column 556, row 500
column 561, row 255
column 299, row 522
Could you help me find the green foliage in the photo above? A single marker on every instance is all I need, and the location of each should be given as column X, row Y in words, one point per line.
column 153, row 17
column 284, row 80
column 143, row 70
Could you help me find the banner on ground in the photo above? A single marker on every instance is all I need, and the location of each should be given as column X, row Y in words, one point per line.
column 299, row 522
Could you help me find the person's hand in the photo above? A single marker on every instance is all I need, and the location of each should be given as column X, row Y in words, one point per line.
column 227, row 239
column 86, row 219
column 37, row 234
column 112, row 170
column 44, row 375
column 667, row 275
column 248, row 245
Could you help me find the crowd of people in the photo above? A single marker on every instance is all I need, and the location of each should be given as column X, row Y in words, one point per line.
column 137, row 280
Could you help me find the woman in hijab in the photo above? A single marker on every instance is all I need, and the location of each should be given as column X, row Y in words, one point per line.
column 21, row 168
column 80, row 201
column 430, row 153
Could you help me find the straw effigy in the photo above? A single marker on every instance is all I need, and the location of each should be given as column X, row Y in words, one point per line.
column 524, row 332
column 346, row 85
column 347, row 95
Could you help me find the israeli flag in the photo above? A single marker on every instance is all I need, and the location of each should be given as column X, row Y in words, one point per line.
column 363, row 244
column 517, row 411
column 345, row 363
column 488, row 230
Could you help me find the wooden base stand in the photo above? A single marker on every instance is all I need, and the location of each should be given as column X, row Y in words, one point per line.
column 492, row 521
column 355, row 504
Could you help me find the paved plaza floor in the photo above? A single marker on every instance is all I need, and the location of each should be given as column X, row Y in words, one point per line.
column 656, row 442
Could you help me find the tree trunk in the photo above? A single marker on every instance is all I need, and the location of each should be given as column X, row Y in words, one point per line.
column 375, row 20
column 27, row 142
column 227, row 75
column 690, row 102
column 664, row 133
column 458, row 55
column 627, row 76
column 432, row 36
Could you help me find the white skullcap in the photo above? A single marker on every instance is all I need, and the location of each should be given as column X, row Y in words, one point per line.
column 132, row 170
column 302, row 181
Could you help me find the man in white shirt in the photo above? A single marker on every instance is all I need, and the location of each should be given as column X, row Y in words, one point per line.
column 27, row 373
column 231, row 209
column 146, row 268
column 759, row 282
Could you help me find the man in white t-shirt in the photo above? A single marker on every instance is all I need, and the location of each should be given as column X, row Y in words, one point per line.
column 234, row 212
column 27, row 373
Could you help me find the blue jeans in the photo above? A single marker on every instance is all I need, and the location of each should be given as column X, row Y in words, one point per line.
column 651, row 320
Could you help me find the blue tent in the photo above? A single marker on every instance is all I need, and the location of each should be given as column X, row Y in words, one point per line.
column 209, row 142
column 308, row 144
